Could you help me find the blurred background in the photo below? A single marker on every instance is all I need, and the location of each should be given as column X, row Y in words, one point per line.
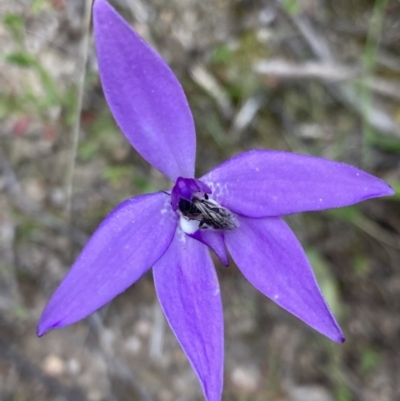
column 319, row 77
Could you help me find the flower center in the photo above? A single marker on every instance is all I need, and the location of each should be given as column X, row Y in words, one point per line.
column 197, row 210
column 204, row 213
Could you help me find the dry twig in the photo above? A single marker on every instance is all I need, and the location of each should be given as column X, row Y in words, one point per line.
column 210, row 85
column 347, row 94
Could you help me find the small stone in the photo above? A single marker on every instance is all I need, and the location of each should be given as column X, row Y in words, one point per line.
column 143, row 328
column 73, row 366
column 35, row 190
column 133, row 345
column 246, row 378
column 58, row 196
column 53, row 365
column 309, row 393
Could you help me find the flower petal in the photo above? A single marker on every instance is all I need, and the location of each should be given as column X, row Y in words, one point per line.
column 127, row 243
column 144, row 95
column 214, row 240
column 263, row 183
column 270, row 257
column 188, row 290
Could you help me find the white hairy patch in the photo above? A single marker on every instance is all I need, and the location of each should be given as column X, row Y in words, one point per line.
column 188, row 226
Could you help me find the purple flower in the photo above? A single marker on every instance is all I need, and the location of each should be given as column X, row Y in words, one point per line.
column 237, row 206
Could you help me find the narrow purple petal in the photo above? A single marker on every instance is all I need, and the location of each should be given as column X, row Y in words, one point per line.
column 126, row 244
column 263, row 183
column 188, row 290
column 270, row 257
column 214, row 240
column 144, row 95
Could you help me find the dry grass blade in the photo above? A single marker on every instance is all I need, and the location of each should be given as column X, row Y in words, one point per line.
column 210, row 85
column 77, row 125
column 310, row 70
column 376, row 116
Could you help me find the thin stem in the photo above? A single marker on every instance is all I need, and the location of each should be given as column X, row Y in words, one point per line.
column 77, row 118
column 369, row 62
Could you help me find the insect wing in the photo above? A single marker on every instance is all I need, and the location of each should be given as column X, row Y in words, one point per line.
column 214, row 216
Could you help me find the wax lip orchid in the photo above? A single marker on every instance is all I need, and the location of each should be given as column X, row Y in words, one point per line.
column 235, row 207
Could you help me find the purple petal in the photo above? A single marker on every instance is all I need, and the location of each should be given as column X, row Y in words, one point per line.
column 263, row 183
column 188, row 290
column 127, row 243
column 144, row 95
column 214, row 240
column 270, row 257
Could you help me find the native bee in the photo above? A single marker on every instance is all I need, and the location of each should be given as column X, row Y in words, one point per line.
column 209, row 213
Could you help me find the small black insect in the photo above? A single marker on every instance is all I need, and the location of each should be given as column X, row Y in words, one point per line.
column 208, row 213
